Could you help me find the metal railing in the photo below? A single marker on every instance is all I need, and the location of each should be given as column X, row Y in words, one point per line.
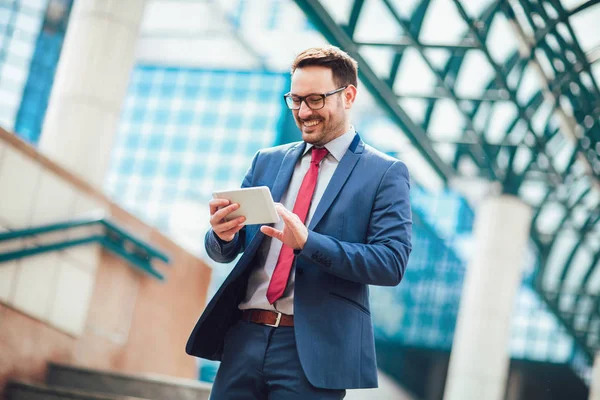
column 113, row 238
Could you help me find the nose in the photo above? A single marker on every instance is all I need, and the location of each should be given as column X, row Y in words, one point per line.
column 304, row 111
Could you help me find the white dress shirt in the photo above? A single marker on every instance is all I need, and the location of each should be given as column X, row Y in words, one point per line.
column 268, row 252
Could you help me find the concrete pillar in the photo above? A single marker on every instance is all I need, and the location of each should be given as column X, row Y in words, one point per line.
column 480, row 353
column 595, row 383
column 90, row 85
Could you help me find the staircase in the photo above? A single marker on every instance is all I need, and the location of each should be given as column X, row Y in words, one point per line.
column 70, row 382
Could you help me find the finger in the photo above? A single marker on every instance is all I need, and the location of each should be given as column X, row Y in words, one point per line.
column 224, row 212
column 293, row 223
column 226, row 226
column 228, row 235
column 289, row 218
column 215, row 204
column 272, row 232
column 282, row 211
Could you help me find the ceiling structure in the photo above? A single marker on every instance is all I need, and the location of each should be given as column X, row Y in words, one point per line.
column 500, row 92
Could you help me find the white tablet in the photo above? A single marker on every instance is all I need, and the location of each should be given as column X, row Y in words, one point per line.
column 256, row 204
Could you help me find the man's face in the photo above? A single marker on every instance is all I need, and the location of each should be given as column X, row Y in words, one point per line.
column 319, row 127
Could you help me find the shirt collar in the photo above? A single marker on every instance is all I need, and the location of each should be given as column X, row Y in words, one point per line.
column 338, row 146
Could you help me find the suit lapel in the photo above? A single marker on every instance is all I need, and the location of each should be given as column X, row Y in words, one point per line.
column 339, row 178
column 282, row 180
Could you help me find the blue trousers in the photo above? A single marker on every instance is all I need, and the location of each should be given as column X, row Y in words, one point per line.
column 260, row 362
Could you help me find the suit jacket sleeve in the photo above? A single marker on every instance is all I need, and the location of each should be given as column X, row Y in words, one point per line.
column 382, row 259
column 220, row 250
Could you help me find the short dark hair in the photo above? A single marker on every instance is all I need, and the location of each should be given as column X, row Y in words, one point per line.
column 344, row 67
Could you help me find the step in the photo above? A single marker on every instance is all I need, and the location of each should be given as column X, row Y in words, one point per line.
column 22, row 390
column 147, row 386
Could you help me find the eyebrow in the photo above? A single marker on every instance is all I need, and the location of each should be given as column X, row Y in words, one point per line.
column 310, row 94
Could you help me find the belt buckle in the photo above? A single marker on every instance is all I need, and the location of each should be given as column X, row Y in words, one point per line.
column 277, row 321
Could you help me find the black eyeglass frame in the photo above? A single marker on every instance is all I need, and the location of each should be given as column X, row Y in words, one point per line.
column 303, row 98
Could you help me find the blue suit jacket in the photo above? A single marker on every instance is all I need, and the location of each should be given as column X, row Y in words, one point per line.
column 360, row 235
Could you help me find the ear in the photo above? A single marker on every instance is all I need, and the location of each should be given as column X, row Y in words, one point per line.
column 349, row 96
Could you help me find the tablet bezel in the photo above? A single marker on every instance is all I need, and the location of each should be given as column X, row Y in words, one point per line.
column 256, row 204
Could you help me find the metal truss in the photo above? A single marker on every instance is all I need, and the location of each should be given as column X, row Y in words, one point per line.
column 550, row 143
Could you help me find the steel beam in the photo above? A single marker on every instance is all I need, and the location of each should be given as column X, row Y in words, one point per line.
column 479, row 150
column 380, row 90
column 405, row 42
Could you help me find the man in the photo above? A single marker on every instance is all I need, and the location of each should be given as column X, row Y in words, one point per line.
column 292, row 320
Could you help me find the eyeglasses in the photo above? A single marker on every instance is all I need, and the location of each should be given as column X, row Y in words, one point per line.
column 312, row 101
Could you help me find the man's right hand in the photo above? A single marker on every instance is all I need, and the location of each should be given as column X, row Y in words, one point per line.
column 219, row 210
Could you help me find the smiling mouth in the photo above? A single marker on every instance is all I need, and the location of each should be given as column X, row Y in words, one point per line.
column 311, row 123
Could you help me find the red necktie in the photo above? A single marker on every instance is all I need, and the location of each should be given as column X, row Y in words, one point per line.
column 282, row 270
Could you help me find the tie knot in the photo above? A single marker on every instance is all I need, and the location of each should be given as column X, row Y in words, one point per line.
column 318, row 154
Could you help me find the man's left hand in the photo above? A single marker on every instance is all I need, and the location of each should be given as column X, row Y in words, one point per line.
column 294, row 234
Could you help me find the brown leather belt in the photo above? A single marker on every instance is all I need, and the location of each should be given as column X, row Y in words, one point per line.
column 269, row 318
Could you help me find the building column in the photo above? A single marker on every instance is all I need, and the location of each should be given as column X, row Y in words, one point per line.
column 595, row 382
column 91, row 81
column 480, row 357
